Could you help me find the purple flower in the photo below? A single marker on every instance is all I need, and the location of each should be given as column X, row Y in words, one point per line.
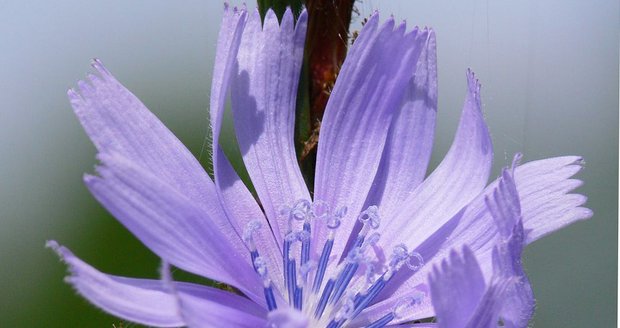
column 358, row 252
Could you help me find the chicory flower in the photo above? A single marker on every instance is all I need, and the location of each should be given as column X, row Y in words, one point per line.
column 358, row 250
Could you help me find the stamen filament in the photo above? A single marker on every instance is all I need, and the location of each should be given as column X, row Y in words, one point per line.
column 290, row 275
column 333, row 324
column 297, row 265
column 261, row 268
column 305, row 245
column 324, row 297
column 320, row 273
column 271, row 300
column 343, row 281
column 373, row 291
column 298, row 298
column 254, row 255
column 383, row 321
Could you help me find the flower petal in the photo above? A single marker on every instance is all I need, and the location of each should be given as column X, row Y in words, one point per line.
column 487, row 311
column 239, row 204
column 229, row 38
column 461, row 176
column 116, row 121
column 263, row 94
column 457, row 286
column 504, row 206
column 150, row 302
column 409, row 144
column 204, row 307
column 141, row 301
column 171, row 225
column 518, row 305
column 544, row 187
column 370, row 86
column 548, row 179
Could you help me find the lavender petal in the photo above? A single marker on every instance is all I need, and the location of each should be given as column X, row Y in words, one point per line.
column 170, row 224
column 518, row 304
column 457, row 286
column 239, row 204
column 151, row 303
column 370, row 86
column 205, row 307
column 116, row 121
column 543, row 187
column 459, row 178
column 546, row 201
column 263, row 95
column 409, row 143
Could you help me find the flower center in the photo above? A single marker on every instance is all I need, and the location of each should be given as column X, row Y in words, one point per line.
column 357, row 279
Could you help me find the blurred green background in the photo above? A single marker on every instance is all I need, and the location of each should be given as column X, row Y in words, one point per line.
column 550, row 87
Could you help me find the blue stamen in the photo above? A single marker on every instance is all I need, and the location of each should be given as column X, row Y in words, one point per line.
column 289, row 273
column 333, row 324
column 359, row 241
column 298, row 298
column 324, row 297
column 343, row 281
column 383, row 321
column 254, row 255
column 261, row 268
column 320, row 273
column 355, row 256
column 305, row 244
column 271, row 300
column 291, row 280
column 373, row 291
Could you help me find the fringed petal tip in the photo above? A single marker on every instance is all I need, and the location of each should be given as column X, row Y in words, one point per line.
column 473, row 83
column 73, row 96
column 97, row 64
column 372, row 21
column 456, row 258
column 100, row 169
column 66, row 256
column 271, row 17
column 107, row 161
column 53, row 245
column 236, row 11
column 88, row 86
column 63, row 253
column 457, row 287
column 582, row 213
column 401, row 29
column 516, row 161
column 135, row 300
column 302, row 22
column 504, row 204
column 473, row 103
